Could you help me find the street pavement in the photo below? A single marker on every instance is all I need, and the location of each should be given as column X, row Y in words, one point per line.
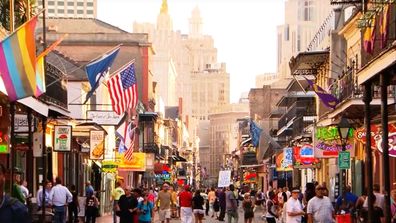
column 257, row 218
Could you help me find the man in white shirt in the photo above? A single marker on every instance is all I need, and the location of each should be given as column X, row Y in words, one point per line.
column 320, row 209
column 379, row 198
column 294, row 208
column 48, row 185
column 59, row 198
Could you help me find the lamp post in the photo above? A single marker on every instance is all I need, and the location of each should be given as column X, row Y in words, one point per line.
column 343, row 131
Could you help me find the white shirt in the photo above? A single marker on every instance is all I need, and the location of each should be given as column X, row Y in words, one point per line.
column 24, row 191
column 39, row 198
column 293, row 205
column 379, row 201
column 60, row 195
column 321, row 209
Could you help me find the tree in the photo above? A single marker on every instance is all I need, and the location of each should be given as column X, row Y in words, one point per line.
column 20, row 12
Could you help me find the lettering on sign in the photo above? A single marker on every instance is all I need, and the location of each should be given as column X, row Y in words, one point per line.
column 104, row 117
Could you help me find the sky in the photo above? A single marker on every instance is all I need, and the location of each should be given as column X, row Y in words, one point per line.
column 244, row 31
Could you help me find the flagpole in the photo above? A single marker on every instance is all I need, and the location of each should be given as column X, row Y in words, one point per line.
column 12, row 19
column 107, row 52
column 120, row 69
column 12, row 110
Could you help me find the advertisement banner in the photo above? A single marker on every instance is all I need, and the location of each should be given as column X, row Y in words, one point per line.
column 284, row 161
column 137, row 163
column 104, row 117
column 224, row 178
column 304, row 157
column 376, row 137
column 109, row 166
column 97, row 143
column 249, row 177
column 62, row 136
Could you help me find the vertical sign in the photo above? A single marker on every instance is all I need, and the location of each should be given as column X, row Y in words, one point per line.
column 287, row 157
column 4, row 126
column 63, row 135
column 37, row 144
column 224, row 178
column 344, row 160
column 97, row 140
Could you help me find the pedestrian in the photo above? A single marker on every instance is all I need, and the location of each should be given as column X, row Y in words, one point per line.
column 115, row 196
column 73, row 206
column 16, row 188
column 206, row 197
column 212, row 199
column 379, row 197
column 378, row 213
column 24, row 190
column 258, row 200
column 151, row 196
column 197, row 205
column 185, row 201
column 163, row 204
column 11, row 209
column 146, row 210
column 271, row 215
column 137, row 196
column 231, row 205
column 320, row 209
column 247, row 206
column 91, row 208
column 47, row 190
column 294, row 208
column 222, row 202
column 59, row 198
column 126, row 206
column 346, row 201
column 173, row 192
column 88, row 188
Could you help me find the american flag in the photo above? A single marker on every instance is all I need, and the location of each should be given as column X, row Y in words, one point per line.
column 123, row 90
column 129, row 145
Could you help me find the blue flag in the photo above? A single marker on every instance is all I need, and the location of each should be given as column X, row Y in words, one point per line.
column 97, row 69
column 255, row 133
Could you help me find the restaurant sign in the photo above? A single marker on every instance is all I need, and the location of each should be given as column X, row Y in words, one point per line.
column 376, row 137
column 304, row 157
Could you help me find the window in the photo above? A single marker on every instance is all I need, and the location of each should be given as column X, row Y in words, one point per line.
column 286, row 32
column 51, row 3
column 80, row 11
column 70, row 11
column 61, row 3
column 308, row 10
column 70, row 3
column 90, row 4
column 51, row 10
column 61, row 11
column 80, row 3
column 90, row 12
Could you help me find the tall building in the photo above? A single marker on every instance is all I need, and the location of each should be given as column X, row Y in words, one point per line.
column 265, row 79
column 223, row 136
column 302, row 21
column 70, row 8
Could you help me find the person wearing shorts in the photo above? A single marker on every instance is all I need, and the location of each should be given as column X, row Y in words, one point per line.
column 163, row 204
column 197, row 204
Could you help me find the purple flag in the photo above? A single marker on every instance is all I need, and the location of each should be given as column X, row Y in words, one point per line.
column 328, row 99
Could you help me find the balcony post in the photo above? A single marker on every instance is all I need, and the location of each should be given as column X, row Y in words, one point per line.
column 384, row 82
column 369, row 163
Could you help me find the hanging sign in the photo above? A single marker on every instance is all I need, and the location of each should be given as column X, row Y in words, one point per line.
column 284, row 161
column 304, row 157
column 4, row 125
column 96, row 142
column 104, row 117
column 63, row 135
column 249, row 177
column 136, row 163
column 224, row 178
column 376, row 138
column 37, row 144
column 109, row 166
column 344, row 160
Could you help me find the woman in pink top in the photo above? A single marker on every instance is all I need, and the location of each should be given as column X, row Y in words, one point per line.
column 151, row 196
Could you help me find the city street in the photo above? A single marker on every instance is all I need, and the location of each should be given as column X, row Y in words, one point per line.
column 208, row 219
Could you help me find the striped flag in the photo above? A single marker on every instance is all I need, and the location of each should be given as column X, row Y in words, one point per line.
column 123, row 90
column 130, row 141
column 18, row 61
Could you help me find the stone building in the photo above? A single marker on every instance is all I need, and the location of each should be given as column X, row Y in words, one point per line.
column 70, row 8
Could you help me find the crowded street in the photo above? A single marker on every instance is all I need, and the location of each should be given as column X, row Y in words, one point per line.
column 165, row 111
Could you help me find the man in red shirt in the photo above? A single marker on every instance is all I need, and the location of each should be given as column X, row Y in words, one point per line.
column 185, row 201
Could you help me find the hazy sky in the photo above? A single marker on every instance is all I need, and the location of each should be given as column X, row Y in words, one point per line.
column 244, row 31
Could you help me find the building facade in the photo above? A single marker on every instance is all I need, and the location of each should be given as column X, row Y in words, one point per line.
column 70, row 8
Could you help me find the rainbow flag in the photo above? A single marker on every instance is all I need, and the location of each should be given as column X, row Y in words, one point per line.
column 18, row 61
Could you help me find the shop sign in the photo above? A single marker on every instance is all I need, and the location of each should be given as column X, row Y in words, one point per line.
column 344, row 160
column 163, row 176
column 284, row 161
column 37, row 144
column 137, row 163
column 21, row 123
column 63, row 135
column 4, row 126
column 376, row 138
column 104, row 117
column 97, row 143
column 304, row 156
column 329, row 133
column 109, row 166
column 249, row 177
column 224, row 178
column 328, row 149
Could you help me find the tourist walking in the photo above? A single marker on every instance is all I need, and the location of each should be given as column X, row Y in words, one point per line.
column 197, row 205
column 294, row 208
column 320, row 209
column 247, row 206
column 231, row 205
column 11, row 209
column 271, row 215
column 73, row 206
column 59, row 198
column 145, row 209
column 115, row 196
column 91, row 208
column 163, row 204
column 185, row 202
column 222, row 202
column 126, row 206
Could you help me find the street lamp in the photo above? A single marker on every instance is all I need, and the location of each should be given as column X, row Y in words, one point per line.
column 343, row 131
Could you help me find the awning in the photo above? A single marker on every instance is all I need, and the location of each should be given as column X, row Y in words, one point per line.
column 308, row 63
column 36, row 105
